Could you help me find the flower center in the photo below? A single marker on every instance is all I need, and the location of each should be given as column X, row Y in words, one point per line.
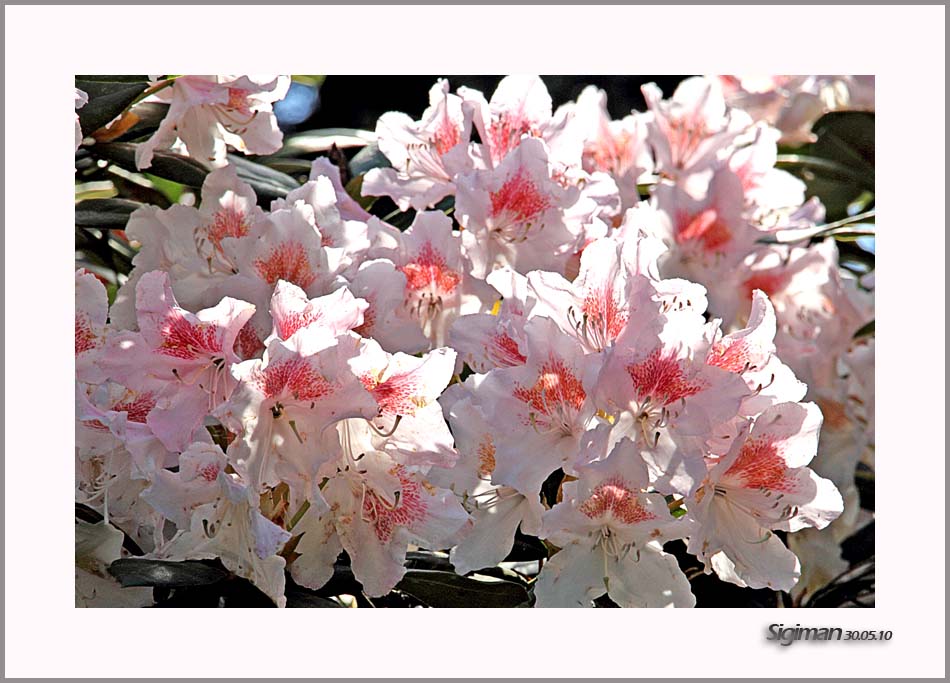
column 428, row 271
column 186, row 340
column 685, row 133
column 505, row 134
column 405, row 509
column 555, row 399
column 518, row 206
column 85, row 338
column 287, row 261
column 614, row 498
column 660, row 380
column 707, row 228
column 295, row 377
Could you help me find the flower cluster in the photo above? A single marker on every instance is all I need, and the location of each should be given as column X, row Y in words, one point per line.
column 275, row 386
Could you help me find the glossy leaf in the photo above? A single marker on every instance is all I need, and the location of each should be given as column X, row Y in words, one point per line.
column 445, row 589
column 322, row 140
column 268, row 183
column 838, row 167
column 168, row 165
column 107, row 99
column 866, row 330
column 109, row 214
column 354, row 188
column 367, row 158
column 161, row 573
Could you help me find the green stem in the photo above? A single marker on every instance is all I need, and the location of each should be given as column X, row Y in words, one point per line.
column 300, row 513
column 151, row 90
column 857, row 218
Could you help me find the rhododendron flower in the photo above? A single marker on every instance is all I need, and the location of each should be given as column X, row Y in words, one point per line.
column 116, row 455
column 190, row 244
column 292, row 311
column 693, row 130
column 762, row 485
column 410, row 427
column 817, row 309
column 494, row 340
column 497, row 511
column 521, row 106
column 540, row 409
column 176, row 495
column 607, row 291
column 81, row 100
column 750, row 353
column 618, row 148
column 207, row 113
column 290, row 249
column 232, row 528
column 344, row 241
column 350, row 209
column 518, row 215
column 707, row 235
column 663, row 396
column 438, row 285
column 190, row 353
column 92, row 310
column 376, row 508
column 283, row 404
column 793, row 103
column 610, row 534
column 426, row 155
column 713, row 239
column 111, row 417
column 765, row 188
column 383, row 286
column 228, row 211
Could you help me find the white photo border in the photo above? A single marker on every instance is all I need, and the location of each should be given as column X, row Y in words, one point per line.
column 45, row 46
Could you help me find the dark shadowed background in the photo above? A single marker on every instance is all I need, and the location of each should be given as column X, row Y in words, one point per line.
column 358, row 101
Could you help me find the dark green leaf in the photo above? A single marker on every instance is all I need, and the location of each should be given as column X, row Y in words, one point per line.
column 424, row 559
column 367, row 158
column 848, row 137
column 865, row 331
column 401, row 219
column 107, row 99
column 845, row 229
column 322, row 140
column 301, row 597
column 864, row 480
column 827, row 167
column 447, row 205
column 527, row 549
column 268, row 183
column 142, row 572
column 288, row 165
column 168, row 165
column 354, row 188
column 150, row 115
column 105, row 213
column 838, row 167
column 122, row 78
column 446, row 589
